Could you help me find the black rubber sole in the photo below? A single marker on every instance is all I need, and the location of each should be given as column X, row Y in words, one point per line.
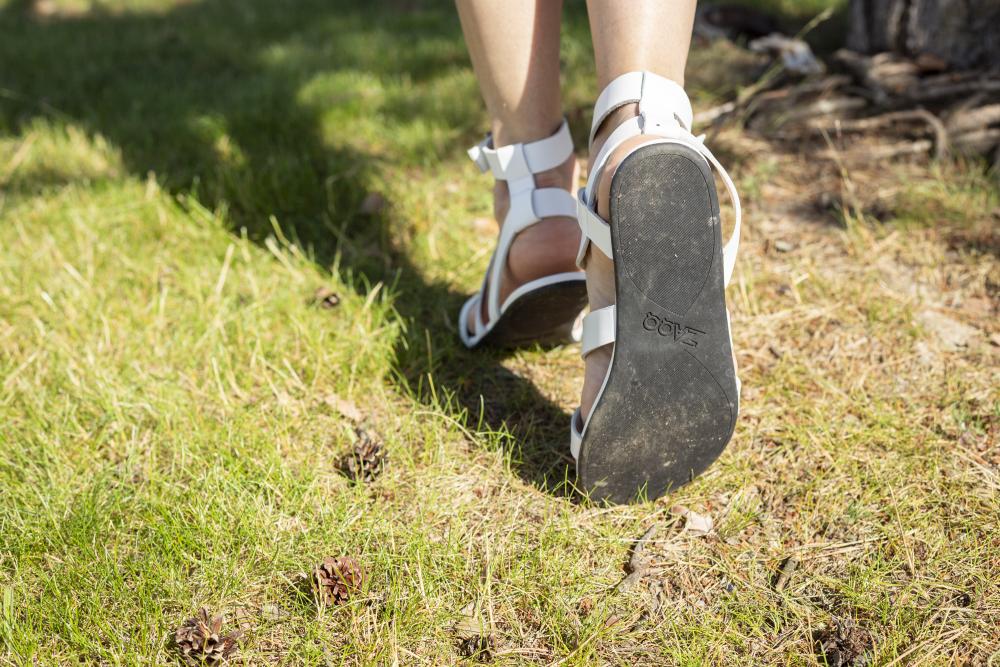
column 670, row 402
column 544, row 316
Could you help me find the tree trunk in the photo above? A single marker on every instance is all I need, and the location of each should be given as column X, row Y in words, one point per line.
column 962, row 34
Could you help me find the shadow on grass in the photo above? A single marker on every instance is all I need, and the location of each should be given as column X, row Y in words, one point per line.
column 212, row 97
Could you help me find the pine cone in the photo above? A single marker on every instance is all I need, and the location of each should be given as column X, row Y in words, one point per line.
column 366, row 460
column 325, row 298
column 480, row 647
column 200, row 643
column 336, row 579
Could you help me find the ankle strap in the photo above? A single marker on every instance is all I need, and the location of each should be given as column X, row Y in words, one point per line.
column 510, row 163
column 665, row 113
column 661, row 101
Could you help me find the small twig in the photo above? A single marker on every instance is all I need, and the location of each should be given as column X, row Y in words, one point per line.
column 638, row 564
column 828, row 106
column 928, row 93
column 883, row 152
column 816, row 550
column 815, row 21
column 709, row 116
column 785, row 572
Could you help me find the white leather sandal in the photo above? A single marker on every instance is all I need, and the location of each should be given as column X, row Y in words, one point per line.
column 669, row 402
column 546, row 310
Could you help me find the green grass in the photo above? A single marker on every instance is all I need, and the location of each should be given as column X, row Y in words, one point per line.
column 177, row 178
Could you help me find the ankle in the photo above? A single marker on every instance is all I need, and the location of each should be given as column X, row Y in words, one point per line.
column 563, row 176
column 525, row 132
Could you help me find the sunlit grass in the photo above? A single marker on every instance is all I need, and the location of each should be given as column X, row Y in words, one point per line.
column 177, row 179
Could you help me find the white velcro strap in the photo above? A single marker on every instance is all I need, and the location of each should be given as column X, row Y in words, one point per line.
column 625, row 89
column 594, row 229
column 654, row 93
column 664, row 102
column 664, row 111
column 598, row 329
column 553, row 202
column 519, row 160
column 550, row 152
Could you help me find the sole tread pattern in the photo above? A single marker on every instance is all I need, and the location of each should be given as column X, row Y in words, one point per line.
column 669, row 404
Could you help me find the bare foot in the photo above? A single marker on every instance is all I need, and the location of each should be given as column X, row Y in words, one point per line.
column 600, row 269
column 543, row 249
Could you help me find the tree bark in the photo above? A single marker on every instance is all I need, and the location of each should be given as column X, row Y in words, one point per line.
column 961, row 34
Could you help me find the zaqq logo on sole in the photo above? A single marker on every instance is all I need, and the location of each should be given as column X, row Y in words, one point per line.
column 673, row 330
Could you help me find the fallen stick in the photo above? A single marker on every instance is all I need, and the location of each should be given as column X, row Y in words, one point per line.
column 883, row 152
column 978, row 141
column 785, row 572
column 974, row 119
column 709, row 116
column 638, row 564
column 875, row 122
column 928, row 93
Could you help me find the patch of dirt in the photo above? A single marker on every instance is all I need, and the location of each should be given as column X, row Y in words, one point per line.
column 952, row 333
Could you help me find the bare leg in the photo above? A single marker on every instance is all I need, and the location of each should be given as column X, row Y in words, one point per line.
column 651, row 35
column 514, row 46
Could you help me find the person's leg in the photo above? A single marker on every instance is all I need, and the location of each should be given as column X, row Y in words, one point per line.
column 514, row 47
column 632, row 35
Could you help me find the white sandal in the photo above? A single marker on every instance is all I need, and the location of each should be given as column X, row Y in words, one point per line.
column 546, row 310
column 669, row 402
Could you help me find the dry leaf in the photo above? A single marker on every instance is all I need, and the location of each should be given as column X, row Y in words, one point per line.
column 694, row 523
column 272, row 612
column 468, row 623
column 344, row 407
column 698, row 524
column 844, row 645
column 473, row 640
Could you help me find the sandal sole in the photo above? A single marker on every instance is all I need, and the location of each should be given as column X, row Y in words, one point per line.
column 544, row 316
column 670, row 402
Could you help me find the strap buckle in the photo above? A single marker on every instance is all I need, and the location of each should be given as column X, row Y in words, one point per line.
column 478, row 154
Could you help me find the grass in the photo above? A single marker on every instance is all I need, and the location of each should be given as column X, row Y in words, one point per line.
column 177, row 178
